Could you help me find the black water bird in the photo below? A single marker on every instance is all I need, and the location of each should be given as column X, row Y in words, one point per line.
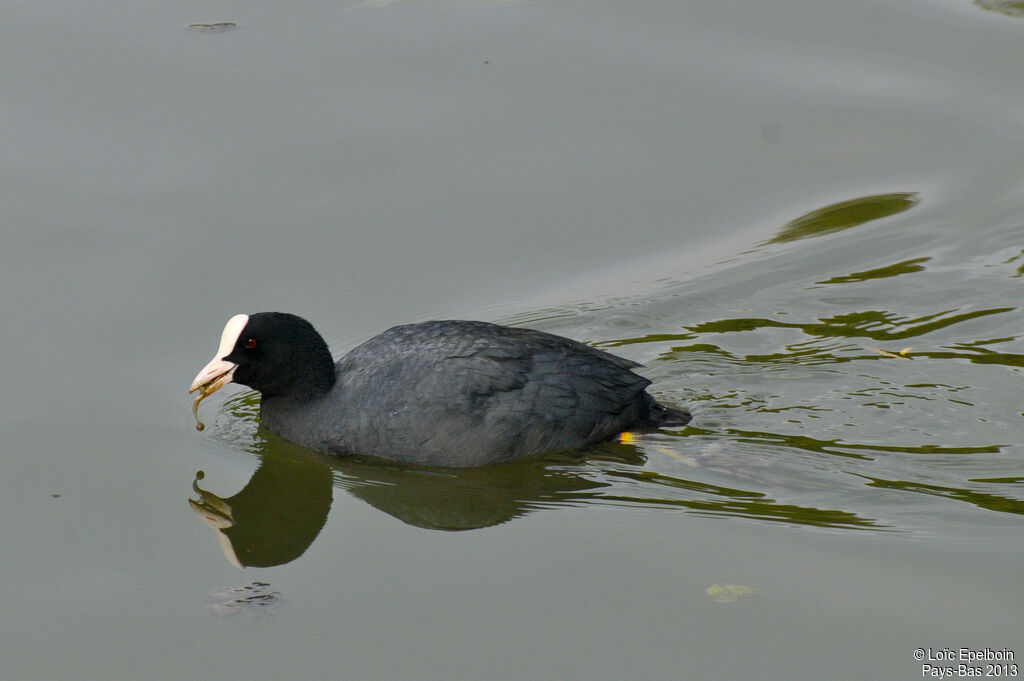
column 440, row 393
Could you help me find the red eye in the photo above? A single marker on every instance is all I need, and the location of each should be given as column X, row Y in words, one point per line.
column 251, row 343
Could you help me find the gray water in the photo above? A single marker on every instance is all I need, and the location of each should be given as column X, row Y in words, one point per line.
column 805, row 219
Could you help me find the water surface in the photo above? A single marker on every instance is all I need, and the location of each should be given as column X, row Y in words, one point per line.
column 805, row 221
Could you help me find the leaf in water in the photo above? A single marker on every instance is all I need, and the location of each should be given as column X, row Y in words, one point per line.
column 845, row 214
column 885, row 353
column 727, row 593
column 1011, row 8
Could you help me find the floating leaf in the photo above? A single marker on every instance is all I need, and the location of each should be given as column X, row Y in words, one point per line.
column 727, row 593
column 885, row 353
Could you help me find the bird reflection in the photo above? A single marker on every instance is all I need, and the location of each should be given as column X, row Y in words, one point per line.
column 280, row 512
column 282, row 509
column 276, row 516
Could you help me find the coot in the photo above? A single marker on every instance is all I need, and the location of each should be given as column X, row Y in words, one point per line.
column 441, row 393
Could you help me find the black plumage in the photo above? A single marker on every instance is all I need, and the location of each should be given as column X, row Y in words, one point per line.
column 441, row 393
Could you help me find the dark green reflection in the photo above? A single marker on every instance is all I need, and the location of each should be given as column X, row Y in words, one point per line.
column 854, row 450
column 1020, row 268
column 977, row 355
column 999, row 481
column 725, row 501
column 1011, row 8
column 846, row 214
column 991, row 502
column 650, row 338
column 894, row 270
column 878, row 325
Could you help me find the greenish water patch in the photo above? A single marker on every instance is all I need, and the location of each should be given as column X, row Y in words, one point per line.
column 844, row 215
column 854, row 450
column 736, row 503
column 1010, row 8
column 650, row 338
column 879, row 325
column 894, row 270
column 729, row 593
column 990, row 502
column 976, row 355
column 1020, row 268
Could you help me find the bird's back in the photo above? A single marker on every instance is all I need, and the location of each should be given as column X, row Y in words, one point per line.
column 457, row 393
